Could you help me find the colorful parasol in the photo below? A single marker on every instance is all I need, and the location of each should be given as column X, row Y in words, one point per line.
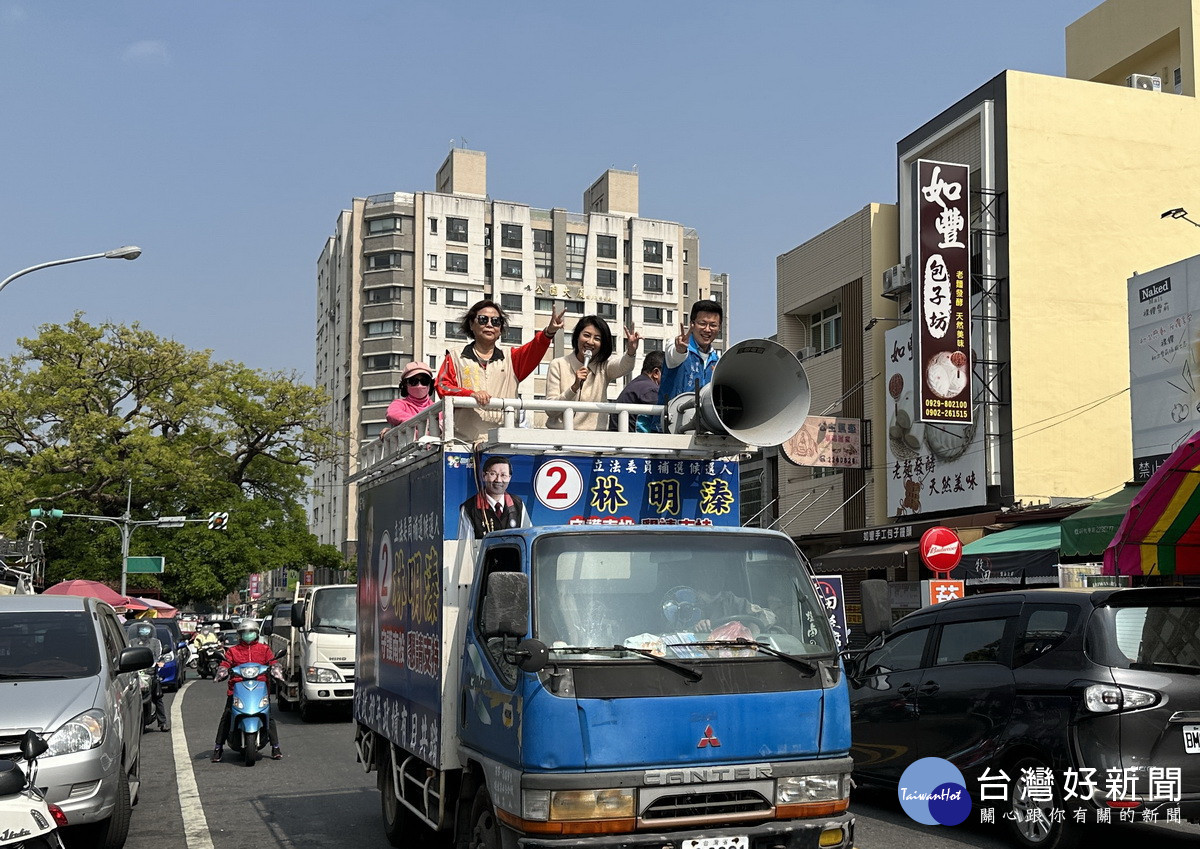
column 1160, row 535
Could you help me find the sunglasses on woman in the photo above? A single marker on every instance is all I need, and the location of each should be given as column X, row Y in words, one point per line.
column 493, row 320
column 419, row 380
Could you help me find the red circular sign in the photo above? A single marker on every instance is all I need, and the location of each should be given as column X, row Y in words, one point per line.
column 941, row 549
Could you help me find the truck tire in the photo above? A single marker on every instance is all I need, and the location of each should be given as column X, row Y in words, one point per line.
column 282, row 700
column 485, row 827
column 400, row 827
column 306, row 709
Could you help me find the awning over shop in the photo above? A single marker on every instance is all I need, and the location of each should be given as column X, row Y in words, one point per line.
column 859, row 557
column 1088, row 532
column 1029, row 552
column 1160, row 534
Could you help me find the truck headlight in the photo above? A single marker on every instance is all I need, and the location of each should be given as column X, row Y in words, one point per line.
column 797, row 789
column 84, row 732
column 317, row 675
column 591, row 804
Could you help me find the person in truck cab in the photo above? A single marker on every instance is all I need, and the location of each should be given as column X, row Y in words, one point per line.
column 246, row 650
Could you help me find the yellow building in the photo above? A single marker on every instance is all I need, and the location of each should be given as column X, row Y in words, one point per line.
column 1069, row 178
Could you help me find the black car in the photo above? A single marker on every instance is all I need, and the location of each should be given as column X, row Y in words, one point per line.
column 1025, row 681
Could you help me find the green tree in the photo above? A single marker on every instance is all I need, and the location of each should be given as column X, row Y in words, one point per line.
column 85, row 408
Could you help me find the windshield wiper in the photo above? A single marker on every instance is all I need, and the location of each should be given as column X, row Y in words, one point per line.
column 805, row 666
column 1163, row 664
column 342, row 628
column 685, row 671
column 4, row 676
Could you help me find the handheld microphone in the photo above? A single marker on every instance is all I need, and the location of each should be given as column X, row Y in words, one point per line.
column 587, row 358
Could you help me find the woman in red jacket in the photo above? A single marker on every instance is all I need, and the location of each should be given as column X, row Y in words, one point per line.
column 247, row 650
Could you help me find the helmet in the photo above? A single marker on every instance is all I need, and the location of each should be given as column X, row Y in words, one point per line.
column 248, row 631
column 145, row 630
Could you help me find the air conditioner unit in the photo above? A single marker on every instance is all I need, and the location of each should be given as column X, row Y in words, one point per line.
column 806, row 353
column 894, row 279
column 1146, row 82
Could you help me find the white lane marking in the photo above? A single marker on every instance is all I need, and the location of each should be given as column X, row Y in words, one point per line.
column 195, row 824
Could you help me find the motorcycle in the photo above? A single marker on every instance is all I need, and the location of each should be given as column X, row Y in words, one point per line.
column 207, row 659
column 251, row 711
column 146, row 684
column 27, row 821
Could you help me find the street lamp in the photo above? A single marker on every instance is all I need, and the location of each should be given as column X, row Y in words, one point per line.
column 1179, row 212
column 126, row 252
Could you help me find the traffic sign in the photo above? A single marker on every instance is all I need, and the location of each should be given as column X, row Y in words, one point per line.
column 171, row 521
column 941, row 549
column 144, row 565
column 218, row 521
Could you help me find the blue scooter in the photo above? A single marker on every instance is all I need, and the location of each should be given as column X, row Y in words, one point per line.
column 251, row 710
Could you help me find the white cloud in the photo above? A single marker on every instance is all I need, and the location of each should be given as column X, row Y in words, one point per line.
column 147, row 53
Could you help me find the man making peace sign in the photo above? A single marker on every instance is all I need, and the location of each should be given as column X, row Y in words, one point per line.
column 692, row 357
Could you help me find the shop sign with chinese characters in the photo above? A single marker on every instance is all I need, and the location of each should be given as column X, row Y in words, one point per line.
column 826, row 441
column 943, row 589
column 930, row 467
column 942, row 293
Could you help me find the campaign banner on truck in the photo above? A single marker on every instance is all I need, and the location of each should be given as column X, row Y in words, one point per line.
column 522, row 491
column 400, row 610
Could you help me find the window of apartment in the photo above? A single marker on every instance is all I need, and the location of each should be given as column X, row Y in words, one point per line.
column 388, row 224
column 511, row 268
column 457, row 297
column 384, row 295
column 686, row 288
column 670, row 285
column 652, row 282
column 510, row 235
column 608, row 311
column 685, row 255
column 456, row 263
column 652, row 250
column 543, row 304
column 456, row 229
column 652, row 315
column 390, row 259
column 433, row 363
column 511, row 303
column 433, row 262
column 606, row 246
column 433, row 294
column 433, row 329
column 825, row 328
column 669, row 317
column 384, row 328
column 453, row 331
column 379, row 396
column 652, row 345
column 543, row 266
column 670, row 251
column 543, row 241
column 606, row 278
column 576, row 251
column 511, row 335
column 433, row 226
column 825, row 471
column 383, row 362
column 1178, row 79
column 373, row 429
column 573, row 307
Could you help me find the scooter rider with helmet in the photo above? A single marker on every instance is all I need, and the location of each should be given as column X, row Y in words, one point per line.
column 247, row 650
column 143, row 636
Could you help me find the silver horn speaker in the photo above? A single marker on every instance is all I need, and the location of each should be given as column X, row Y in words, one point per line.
column 758, row 394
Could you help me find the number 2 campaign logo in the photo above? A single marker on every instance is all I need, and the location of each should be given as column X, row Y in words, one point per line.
column 933, row 792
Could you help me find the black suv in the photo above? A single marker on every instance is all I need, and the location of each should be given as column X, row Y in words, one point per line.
column 1069, row 680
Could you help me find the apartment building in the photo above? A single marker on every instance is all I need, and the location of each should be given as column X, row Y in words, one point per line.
column 401, row 269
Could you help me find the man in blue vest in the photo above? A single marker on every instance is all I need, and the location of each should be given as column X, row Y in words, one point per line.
column 692, row 357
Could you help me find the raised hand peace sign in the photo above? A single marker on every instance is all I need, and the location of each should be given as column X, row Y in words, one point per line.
column 681, row 341
column 632, row 338
column 556, row 321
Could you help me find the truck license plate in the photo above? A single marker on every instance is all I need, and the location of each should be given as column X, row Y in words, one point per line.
column 739, row 842
column 1191, row 739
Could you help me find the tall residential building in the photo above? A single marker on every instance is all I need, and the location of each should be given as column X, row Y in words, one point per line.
column 1068, row 182
column 401, row 269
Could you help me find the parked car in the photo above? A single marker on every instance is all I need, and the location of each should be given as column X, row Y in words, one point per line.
column 172, row 673
column 69, row 671
column 1045, row 678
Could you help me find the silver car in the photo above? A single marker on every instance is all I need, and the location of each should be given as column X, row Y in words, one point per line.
column 69, row 674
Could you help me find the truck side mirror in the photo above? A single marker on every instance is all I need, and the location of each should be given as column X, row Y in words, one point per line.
column 876, row 607
column 298, row 614
column 268, row 628
column 506, row 605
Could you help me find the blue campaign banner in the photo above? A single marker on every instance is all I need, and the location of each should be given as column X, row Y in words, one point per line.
column 521, row 491
column 833, row 595
column 400, row 607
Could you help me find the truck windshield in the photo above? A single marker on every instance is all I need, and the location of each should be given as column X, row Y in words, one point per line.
column 47, row 645
column 334, row 609
column 665, row 592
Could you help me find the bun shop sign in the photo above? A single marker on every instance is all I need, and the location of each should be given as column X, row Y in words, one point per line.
column 941, row 551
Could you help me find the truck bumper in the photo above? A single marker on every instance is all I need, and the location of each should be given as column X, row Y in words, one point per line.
column 338, row 692
column 785, row 834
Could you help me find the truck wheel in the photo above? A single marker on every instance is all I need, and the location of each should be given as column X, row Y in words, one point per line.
column 401, row 828
column 306, row 710
column 485, row 828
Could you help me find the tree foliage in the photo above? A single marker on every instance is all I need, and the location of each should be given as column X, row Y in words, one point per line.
column 90, row 414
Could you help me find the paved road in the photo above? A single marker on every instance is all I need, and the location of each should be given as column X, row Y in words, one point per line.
column 318, row 796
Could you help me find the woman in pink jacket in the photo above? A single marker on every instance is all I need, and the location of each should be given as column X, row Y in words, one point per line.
column 416, row 393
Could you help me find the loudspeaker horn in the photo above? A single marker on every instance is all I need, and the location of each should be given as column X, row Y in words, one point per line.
column 759, row 394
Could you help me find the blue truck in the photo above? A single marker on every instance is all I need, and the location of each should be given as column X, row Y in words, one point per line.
column 566, row 644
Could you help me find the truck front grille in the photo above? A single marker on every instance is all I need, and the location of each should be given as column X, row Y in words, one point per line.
column 723, row 804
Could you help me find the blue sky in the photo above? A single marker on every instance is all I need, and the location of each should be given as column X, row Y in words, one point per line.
column 223, row 138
